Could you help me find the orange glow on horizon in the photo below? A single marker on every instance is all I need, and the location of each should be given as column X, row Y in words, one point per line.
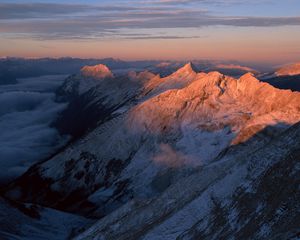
column 244, row 44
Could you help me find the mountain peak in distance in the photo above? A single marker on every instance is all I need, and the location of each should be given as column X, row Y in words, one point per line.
column 99, row 71
column 187, row 69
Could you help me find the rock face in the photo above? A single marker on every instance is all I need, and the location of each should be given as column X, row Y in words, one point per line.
column 189, row 140
column 289, row 70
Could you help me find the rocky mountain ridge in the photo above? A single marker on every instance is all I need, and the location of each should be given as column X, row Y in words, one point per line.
column 202, row 130
column 183, row 127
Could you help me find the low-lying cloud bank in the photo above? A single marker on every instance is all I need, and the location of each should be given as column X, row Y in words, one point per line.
column 26, row 111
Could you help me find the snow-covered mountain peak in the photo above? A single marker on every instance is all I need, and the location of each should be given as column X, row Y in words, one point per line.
column 89, row 77
column 215, row 101
column 99, row 71
column 187, row 69
column 248, row 77
column 179, row 79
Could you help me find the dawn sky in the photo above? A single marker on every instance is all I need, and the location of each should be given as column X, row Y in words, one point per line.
column 256, row 30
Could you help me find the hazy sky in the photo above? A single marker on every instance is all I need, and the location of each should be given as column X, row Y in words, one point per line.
column 247, row 30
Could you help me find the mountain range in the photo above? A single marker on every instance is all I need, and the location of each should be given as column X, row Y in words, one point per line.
column 186, row 155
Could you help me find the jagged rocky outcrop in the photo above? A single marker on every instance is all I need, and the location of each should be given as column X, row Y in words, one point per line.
column 176, row 126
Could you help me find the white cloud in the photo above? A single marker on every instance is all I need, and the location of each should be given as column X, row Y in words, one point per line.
column 26, row 112
column 71, row 21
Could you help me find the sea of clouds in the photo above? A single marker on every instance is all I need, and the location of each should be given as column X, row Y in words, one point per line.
column 26, row 112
